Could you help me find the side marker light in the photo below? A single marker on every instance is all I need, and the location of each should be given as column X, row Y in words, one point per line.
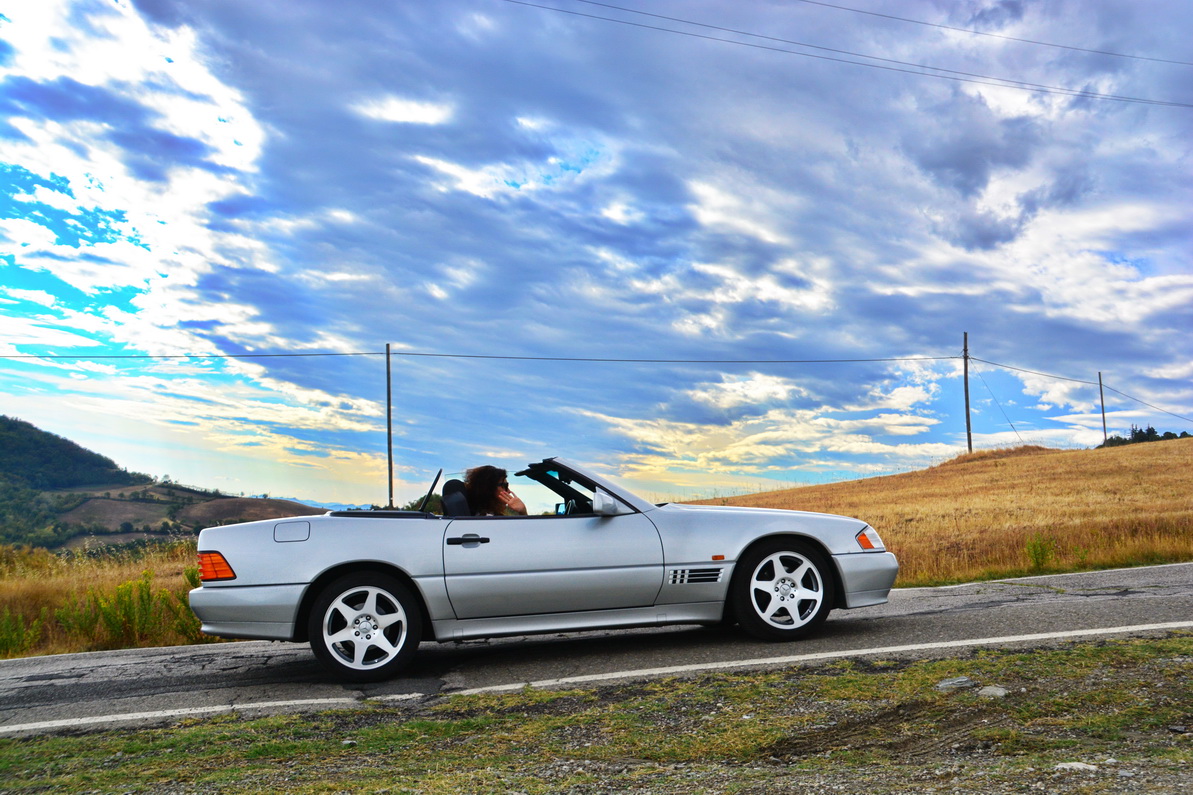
column 869, row 540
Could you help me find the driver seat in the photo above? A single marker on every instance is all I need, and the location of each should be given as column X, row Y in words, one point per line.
column 454, row 501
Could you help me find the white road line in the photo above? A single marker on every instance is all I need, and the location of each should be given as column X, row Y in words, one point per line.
column 173, row 713
column 828, row 655
column 166, row 714
column 97, row 720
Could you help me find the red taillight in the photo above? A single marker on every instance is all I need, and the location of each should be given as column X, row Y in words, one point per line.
column 212, row 566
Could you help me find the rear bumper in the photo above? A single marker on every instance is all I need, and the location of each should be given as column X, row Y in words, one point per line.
column 266, row 612
column 866, row 577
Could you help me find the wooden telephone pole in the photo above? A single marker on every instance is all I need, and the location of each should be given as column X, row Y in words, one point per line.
column 1102, row 397
column 389, row 426
column 965, row 359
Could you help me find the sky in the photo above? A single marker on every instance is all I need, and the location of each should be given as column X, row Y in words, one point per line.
column 786, row 215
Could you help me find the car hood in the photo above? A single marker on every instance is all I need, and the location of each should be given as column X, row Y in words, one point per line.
column 738, row 509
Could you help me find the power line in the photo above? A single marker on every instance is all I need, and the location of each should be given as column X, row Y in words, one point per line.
column 938, row 72
column 94, row 356
column 819, row 47
column 590, row 359
column 991, row 35
column 1081, row 381
column 1149, row 405
column 1000, row 408
column 89, row 357
column 674, row 361
column 1034, row 372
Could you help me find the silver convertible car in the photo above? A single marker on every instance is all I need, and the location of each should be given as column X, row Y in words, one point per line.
column 365, row 587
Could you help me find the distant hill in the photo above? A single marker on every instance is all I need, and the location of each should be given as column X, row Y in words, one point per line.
column 36, row 459
column 55, row 493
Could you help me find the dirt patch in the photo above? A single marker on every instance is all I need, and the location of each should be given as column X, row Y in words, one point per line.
column 243, row 509
column 113, row 513
column 95, row 541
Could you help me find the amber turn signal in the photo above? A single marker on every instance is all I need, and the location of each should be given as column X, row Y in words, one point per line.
column 869, row 539
column 212, row 566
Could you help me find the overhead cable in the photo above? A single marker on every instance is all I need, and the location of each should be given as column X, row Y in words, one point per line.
column 1149, row 405
column 985, row 33
column 1000, row 408
column 88, row 357
column 591, row 359
column 1081, row 381
column 1035, row 372
column 911, row 68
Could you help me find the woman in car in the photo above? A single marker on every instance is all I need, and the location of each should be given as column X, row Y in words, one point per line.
column 488, row 491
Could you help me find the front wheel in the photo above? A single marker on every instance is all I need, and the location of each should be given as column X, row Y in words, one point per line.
column 365, row 626
column 782, row 589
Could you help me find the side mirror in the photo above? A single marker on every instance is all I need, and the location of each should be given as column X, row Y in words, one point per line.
column 605, row 504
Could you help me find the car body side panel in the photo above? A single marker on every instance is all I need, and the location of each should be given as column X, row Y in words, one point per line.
column 694, row 613
column 413, row 545
column 694, row 534
column 703, row 543
column 261, row 563
column 551, row 564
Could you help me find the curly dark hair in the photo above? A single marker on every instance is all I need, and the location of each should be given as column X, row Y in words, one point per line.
column 480, row 487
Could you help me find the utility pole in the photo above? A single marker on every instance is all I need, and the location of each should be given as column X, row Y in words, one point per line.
column 965, row 359
column 1102, row 395
column 389, row 426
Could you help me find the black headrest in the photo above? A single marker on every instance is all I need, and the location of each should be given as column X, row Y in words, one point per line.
column 454, row 501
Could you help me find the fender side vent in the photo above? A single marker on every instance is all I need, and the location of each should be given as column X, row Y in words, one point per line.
column 693, row 576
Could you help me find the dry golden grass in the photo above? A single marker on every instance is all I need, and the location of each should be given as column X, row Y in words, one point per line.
column 1024, row 510
column 34, row 583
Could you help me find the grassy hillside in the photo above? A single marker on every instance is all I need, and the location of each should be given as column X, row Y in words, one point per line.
column 1022, row 510
column 33, row 458
column 58, row 495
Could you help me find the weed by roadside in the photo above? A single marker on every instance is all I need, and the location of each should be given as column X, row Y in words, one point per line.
column 84, row 601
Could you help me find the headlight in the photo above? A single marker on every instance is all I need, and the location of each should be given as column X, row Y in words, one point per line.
column 869, row 540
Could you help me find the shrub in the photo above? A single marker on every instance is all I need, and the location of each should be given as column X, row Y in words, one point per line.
column 16, row 635
column 1040, row 550
column 132, row 614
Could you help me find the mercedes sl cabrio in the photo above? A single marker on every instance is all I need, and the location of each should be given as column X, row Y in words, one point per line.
column 364, row 588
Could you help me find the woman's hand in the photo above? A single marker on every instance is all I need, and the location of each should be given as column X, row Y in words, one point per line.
column 511, row 501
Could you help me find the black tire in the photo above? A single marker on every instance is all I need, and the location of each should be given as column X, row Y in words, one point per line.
column 365, row 626
column 782, row 589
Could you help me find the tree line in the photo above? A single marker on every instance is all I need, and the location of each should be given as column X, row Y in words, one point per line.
column 1139, row 435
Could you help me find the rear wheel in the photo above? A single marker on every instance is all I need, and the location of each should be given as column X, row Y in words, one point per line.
column 782, row 589
column 365, row 626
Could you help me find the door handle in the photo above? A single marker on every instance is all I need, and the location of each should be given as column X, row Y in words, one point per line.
column 469, row 539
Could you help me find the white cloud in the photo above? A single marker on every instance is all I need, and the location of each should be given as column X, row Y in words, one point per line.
column 33, row 296
column 404, row 111
column 751, row 389
column 720, row 207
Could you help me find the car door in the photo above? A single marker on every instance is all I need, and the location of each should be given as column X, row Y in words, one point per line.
column 509, row 566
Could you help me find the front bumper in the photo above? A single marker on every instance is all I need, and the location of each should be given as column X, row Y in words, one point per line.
column 866, row 577
column 265, row 612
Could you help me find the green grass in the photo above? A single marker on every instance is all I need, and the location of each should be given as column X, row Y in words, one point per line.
column 883, row 720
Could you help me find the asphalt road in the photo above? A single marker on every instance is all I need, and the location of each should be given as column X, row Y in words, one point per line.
column 156, row 686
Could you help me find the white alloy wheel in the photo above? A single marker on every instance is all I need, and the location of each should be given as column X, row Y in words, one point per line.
column 365, row 626
column 786, row 590
column 782, row 590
